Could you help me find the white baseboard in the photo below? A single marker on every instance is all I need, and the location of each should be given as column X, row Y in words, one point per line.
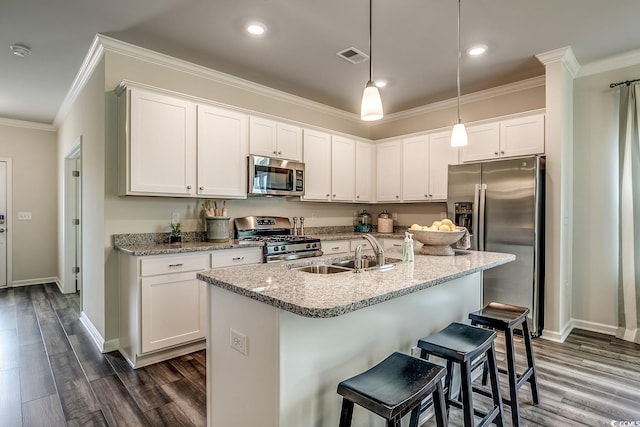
column 595, row 327
column 558, row 336
column 98, row 339
column 39, row 281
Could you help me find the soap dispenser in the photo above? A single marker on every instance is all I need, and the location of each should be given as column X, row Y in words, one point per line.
column 407, row 248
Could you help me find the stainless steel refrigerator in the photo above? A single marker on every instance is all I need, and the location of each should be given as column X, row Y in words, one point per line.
column 502, row 204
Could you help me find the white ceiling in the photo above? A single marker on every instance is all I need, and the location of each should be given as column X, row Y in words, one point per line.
column 414, row 43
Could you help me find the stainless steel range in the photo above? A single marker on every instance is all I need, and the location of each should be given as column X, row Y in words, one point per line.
column 278, row 235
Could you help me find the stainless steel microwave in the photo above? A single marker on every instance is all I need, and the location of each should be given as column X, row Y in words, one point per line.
column 275, row 177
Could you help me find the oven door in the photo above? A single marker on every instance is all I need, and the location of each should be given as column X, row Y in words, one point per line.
column 275, row 177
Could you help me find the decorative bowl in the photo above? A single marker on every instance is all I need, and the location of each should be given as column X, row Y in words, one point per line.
column 437, row 242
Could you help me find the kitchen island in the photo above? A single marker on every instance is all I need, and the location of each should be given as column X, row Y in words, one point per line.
column 280, row 339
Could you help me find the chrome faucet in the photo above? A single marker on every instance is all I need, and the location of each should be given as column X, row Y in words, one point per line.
column 358, row 261
column 377, row 248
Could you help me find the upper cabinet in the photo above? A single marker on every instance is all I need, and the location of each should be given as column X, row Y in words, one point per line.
column 223, row 146
column 425, row 166
column 519, row 136
column 343, row 173
column 389, row 171
column 269, row 138
column 158, row 154
column 164, row 151
column 364, row 171
column 317, row 165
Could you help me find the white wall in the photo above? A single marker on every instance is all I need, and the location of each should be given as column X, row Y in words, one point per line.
column 32, row 148
column 595, row 220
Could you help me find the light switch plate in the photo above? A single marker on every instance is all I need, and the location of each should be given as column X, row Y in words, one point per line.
column 24, row 216
column 239, row 342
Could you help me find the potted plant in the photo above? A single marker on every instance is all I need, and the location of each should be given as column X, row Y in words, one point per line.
column 176, row 233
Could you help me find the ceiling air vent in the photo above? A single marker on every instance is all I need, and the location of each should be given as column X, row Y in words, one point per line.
column 353, row 55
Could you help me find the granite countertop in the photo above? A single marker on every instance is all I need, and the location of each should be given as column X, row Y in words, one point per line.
column 331, row 295
column 129, row 247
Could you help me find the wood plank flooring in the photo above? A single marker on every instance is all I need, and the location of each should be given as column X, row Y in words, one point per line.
column 51, row 374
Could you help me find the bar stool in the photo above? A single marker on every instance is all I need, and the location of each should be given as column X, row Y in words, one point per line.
column 464, row 344
column 506, row 318
column 393, row 388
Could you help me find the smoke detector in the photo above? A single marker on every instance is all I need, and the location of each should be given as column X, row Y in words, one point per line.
column 353, row 55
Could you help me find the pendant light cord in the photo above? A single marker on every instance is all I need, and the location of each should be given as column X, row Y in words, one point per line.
column 458, row 76
column 370, row 43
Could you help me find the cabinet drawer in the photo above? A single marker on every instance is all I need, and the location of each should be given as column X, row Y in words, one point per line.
column 335, row 247
column 173, row 264
column 392, row 243
column 232, row 257
column 366, row 246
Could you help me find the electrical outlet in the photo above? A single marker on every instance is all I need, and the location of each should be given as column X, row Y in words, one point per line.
column 415, row 351
column 175, row 217
column 239, row 342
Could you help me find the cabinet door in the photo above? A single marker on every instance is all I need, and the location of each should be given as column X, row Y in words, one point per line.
column 522, row 136
column 173, row 310
column 484, row 142
column 289, row 142
column 222, row 153
column 441, row 155
column 343, row 160
column 364, row 169
column 262, row 137
column 415, row 168
column 162, row 145
column 389, row 163
column 317, row 165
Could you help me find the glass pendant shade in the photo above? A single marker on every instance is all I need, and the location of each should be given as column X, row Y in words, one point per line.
column 459, row 135
column 371, row 108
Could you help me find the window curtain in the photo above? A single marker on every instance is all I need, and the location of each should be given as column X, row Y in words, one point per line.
column 629, row 215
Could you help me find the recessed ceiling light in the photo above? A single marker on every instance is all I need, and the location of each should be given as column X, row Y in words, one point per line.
column 20, row 50
column 477, row 50
column 256, row 29
column 380, row 83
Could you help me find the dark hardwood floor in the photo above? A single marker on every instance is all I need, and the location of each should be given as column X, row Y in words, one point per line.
column 51, row 374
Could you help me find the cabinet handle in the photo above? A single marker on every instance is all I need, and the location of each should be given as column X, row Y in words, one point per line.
column 495, row 153
column 397, row 197
column 357, row 197
column 397, row 244
column 328, row 195
column 502, row 152
column 175, row 265
column 279, row 153
column 426, row 196
column 334, row 195
column 335, row 248
column 430, row 195
column 238, row 258
column 188, row 187
column 201, row 188
column 275, row 152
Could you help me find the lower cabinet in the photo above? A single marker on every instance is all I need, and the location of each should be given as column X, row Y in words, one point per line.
column 163, row 306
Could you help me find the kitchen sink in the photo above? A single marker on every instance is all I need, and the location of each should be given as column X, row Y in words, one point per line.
column 367, row 263
column 323, row 269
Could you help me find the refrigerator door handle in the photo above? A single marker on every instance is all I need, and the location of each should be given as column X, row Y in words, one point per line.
column 482, row 201
column 474, row 220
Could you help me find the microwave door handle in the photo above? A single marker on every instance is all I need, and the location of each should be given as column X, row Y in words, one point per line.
column 481, row 220
column 474, row 219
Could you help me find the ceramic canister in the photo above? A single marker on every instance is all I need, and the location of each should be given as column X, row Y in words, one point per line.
column 217, row 228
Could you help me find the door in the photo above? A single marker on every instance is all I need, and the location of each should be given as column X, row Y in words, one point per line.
column 72, row 274
column 510, row 219
column 4, row 215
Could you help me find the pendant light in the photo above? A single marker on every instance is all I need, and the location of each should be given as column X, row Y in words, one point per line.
column 459, row 133
column 371, row 108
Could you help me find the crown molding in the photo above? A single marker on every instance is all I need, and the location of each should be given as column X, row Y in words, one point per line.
column 468, row 98
column 628, row 59
column 113, row 45
column 564, row 55
column 27, row 125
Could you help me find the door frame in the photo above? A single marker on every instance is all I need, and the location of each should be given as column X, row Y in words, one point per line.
column 8, row 219
column 72, row 197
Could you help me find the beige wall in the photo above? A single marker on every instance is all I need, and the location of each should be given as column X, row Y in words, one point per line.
column 595, row 220
column 33, row 155
column 86, row 119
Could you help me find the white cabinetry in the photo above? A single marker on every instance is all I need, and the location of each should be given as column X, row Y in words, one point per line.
column 364, row 171
column 165, row 151
column 389, row 171
column 441, row 155
column 343, row 160
column 274, row 139
column 317, row 165
column 157, row 155
column 333, row 247
column 163, row 311
column 519, row 136
column 222, row 153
